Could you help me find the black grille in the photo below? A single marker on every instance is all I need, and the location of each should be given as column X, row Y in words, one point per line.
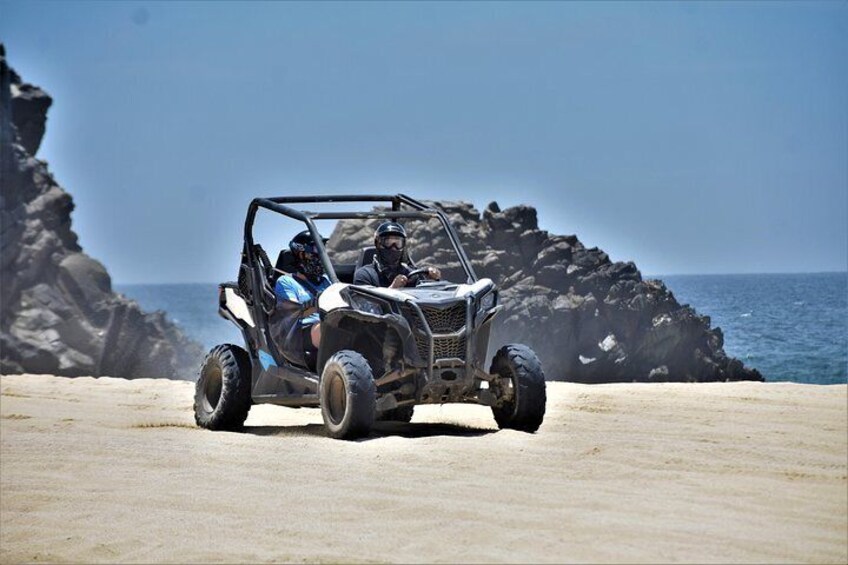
column 421, row 343
column 445, row 320
column 449, row 347
column 441, row 320
column 443, row 347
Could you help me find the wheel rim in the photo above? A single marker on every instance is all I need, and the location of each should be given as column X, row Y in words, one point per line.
column 508, row 382
column 337, row 401
column 213, row 384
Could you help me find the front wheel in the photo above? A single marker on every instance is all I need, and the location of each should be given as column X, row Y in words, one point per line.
column 348, row 396
column 222, row 393
column 520, row 388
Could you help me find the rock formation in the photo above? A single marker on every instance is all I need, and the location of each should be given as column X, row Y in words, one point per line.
column 590, row 319
column 58, row 313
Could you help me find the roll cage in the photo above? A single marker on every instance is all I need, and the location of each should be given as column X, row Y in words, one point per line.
column 419, row 211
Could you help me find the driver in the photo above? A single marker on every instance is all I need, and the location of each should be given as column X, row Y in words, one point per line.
column 387, row 270
column 297, row 301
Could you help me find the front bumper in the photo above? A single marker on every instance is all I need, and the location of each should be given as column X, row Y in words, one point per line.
column 452, row 340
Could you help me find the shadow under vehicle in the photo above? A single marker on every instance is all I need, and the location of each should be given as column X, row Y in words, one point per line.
column 382, row 350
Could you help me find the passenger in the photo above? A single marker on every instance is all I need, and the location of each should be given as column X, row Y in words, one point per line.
column 387, row 269
column 298, row 326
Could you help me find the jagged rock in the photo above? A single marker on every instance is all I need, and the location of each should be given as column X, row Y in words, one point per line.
column 58, row 313
column 29, row 108
column 590, row 319
column 658, row 374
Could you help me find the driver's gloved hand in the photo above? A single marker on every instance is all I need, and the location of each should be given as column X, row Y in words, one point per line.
column 399, row 281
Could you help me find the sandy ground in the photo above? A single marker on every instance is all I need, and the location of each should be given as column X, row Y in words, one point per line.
column 113, row 470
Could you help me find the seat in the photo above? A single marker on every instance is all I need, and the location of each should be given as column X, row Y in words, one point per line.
column 287, row 264
column 285, row 261
column 267, row 282
column 366, row 256
column 345, row 272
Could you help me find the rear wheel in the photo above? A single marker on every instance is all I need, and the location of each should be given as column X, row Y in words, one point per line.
column 348, row 396
column 222, row 393
column 522, row 382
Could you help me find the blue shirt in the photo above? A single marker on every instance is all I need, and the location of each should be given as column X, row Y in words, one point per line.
column 301, row 291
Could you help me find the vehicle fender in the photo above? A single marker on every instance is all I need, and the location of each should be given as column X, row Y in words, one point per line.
column 332, row 298
column 341, row 328
column 476, row 289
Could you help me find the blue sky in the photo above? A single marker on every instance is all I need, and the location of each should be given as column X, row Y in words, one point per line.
column 687, row 137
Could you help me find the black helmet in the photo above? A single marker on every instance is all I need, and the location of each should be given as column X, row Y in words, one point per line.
column 390, row 228
column 305, row 252
column 304, row 243
column 389, row 258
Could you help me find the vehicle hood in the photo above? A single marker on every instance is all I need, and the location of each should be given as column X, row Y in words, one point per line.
column 436, row 294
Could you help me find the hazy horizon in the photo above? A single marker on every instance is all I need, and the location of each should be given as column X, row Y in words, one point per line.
column 690, row 138
column 644, row 275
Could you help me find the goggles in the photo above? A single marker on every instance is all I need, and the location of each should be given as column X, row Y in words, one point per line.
column 308, row 248
column 392, row 242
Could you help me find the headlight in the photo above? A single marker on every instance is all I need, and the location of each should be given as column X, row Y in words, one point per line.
column 364, row 304
column 487, row 302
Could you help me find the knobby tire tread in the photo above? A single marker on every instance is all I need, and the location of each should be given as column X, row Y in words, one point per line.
column 522, row 362
column 234, row 403
column 362, row 393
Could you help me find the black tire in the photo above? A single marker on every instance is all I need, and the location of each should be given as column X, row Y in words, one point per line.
column 222, row 393
column 399, row 414
column 348, row 396
column 521, row 369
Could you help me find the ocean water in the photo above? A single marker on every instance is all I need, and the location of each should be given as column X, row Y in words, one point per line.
column 789, row 327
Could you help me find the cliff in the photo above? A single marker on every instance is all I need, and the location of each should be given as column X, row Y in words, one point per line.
column 58, row 312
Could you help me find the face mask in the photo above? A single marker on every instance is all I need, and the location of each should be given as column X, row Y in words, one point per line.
column 389, row 258
column 310, row 265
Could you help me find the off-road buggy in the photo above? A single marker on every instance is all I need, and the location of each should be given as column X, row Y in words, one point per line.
column 382, row 350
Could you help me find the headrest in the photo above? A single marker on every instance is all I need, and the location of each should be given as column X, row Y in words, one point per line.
column 366, row 256
column 286, row 261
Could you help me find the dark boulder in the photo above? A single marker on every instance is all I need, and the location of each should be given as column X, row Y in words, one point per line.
column 590, row 319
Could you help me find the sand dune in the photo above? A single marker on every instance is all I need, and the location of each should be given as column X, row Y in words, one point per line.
column 113, row 470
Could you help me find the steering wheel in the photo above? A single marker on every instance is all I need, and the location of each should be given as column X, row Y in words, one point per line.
column 416, row 275
column 418, row 272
